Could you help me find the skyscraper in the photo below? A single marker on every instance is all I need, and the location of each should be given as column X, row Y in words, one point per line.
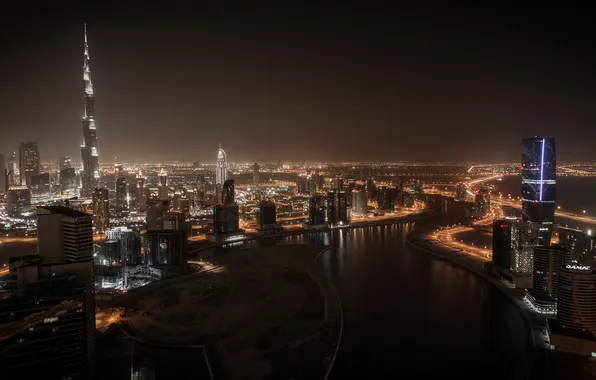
column 580, row 245
column 337, row 210
column 101, row 209
column 221, row 170
column 255, row 176
column 89, row 153
column 482, row 202
column 13, row 170
column 227, row 192
column 64, row 234
column 141, row 193
column 121, row 194
column 162, row 184
column 28, row 162
column 18, row 200
column 539, row 180
column 524, row 237
column 359, row 203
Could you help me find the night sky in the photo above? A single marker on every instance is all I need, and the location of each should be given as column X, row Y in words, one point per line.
column 344, row 82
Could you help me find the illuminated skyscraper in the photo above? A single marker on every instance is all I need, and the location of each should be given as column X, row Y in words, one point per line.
column 221, row 171
column 482, row 202
column 162, row 184
column 89, row 153
column 539, row 179
column 524, row 237
column 101, row 210
column 141, row 193
column 13, row 170
column 28, row 162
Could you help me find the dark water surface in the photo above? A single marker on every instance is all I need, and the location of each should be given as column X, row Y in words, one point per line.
column 408, row 315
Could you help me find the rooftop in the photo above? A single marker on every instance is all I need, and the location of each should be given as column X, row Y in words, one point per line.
column 62, row 210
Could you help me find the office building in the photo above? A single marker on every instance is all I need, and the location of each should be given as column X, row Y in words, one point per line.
column 165, row 247
column 371, row 188
column 502, row 244
column 162, row 185
column 547, row 262
column 89, row 149
column 580, row 245
column 28, row 162
column 41, row 183
column 316, row 212
column 64, row 163
column 3, row 176
column 482, row 202
column 386, row 196
column 64, row 234
column 49, row 333
column 12, row 170
column 359, row 203
column 337, row 210
column 225, row 218
column 18, row 200
column 127, row 248
column 68, row 180
column 255, row 176
column 221, row 169
column 174, row 221
column 227, row 192
column 101, row 210
column 156, row 210
column 121, row 194
column 524, row 237
column 539, row 180
column 266, row 218
column 141, row 193
column 576, row 303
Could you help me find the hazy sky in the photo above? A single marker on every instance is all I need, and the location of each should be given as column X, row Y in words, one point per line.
column 343, row 82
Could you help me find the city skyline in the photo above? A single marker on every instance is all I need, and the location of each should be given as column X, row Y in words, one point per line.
column 352, row 78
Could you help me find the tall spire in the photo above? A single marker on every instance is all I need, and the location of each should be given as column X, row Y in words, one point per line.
column 89, row 153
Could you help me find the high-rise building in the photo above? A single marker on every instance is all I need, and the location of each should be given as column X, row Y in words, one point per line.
column 3, row 176
column 359, row 203
column 539, row 180
column 580, row 245
column 316, row 211
column 101, row 209
column 255, row 176
column 141, row 193
column 547, row 262
column 12, row 170
column 18, row 200
column 227, row 192
column 524, row 237
column 121, row 194
column 89, row 152
column 165, row 247
column 482, row 202
column 129, row 244
column 201, row 188
column 266, row 218
column 162, row 185
column 502, row 244
column 576, row 298
column 68, row 180
column 371, row 188
column 337, row 210
column 221, row 170
column 41, row 183
column 64, row 234
column 64, row 163
column 156, row 210
column 51, row 320
column 386, row 196
column 225, row 218
column 174, row 221
column 28, row 162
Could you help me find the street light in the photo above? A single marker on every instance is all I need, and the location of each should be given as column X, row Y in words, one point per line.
column 584, row 211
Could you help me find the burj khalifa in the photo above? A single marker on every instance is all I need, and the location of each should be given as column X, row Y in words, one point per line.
column 89, row 154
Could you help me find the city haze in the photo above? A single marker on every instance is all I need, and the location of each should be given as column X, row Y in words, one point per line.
column 345, row 82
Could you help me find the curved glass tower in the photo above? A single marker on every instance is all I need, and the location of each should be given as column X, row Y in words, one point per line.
column 539, row 184
column 89, row 154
